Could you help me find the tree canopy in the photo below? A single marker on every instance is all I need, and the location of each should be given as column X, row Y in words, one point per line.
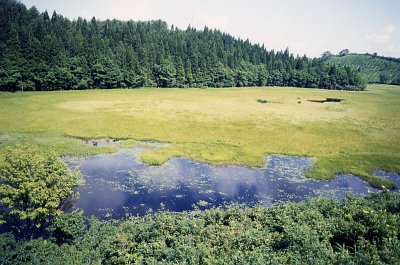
column 374, row 68
column 35, row 185
column 39, row 51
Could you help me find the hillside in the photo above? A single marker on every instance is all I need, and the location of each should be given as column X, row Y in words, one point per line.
column 42, row 52
column 375, row 69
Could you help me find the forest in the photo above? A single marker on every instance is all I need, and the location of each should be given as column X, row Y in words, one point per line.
column 374, row 68
column 39, row 51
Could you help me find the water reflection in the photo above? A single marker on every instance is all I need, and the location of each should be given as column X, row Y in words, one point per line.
column 119, row 184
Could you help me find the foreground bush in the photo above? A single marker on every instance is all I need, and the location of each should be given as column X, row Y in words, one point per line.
column 35, row 186
column 323, row 231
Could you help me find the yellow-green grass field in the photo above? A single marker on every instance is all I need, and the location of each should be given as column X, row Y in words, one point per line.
column 220, row 126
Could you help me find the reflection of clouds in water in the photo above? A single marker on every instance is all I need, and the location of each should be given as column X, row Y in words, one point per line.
column 230, row 180
column 343, row 184
column 176, row 173
column 106, row 164
column 182, row 167
column 166, row 176
column 106, row 198
column 286, row 178
column 120, row 180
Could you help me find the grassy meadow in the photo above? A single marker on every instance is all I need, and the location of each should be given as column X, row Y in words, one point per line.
column 220, row 126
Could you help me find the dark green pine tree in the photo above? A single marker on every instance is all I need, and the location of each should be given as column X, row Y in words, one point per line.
column 39, row 52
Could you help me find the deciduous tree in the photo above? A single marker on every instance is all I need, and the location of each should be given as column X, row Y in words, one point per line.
column 35, row 186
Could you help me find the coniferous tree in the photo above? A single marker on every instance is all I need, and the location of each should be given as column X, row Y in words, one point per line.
column 42, row 52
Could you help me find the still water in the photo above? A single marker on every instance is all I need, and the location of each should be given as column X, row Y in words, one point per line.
column 119, row 185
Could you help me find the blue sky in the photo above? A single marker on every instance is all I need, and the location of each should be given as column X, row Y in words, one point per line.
column 305, row 26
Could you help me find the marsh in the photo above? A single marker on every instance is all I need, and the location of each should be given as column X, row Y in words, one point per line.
column 120, row 185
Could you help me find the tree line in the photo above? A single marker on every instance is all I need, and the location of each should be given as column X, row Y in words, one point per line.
column 43, row 52
column 374, row 68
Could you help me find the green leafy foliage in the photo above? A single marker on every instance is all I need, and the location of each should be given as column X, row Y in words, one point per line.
column 374, row 68
column 42, row 53
column 323, row 231
column 67, row 227
column 35, row 185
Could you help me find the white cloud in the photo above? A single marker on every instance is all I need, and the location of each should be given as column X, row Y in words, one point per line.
column 382, row 37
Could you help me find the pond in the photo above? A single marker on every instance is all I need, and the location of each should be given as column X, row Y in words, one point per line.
column 119, row 185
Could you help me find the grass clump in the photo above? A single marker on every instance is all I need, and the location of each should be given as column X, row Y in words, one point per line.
column 263, row 101
column 128, row 143
column 363, row 166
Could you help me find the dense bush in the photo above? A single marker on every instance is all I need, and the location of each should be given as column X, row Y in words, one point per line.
column 322, row 231
column 35, row 186
column 67, row 227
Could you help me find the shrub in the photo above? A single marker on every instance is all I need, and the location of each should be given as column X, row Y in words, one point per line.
column 35, row 186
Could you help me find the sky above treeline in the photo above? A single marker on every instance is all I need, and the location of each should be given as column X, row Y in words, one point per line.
column 305, row 26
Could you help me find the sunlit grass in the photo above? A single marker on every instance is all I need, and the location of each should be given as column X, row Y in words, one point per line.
column 63, row 145
column 219, row 126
